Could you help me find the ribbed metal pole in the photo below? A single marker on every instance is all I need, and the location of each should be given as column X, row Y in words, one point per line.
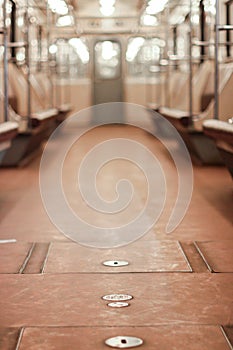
column 5, row 60
column 216, row 82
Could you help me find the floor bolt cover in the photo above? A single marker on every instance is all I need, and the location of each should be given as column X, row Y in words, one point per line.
column 115, row 263
column 117, row 297
column 124, row 342
column 118, row 304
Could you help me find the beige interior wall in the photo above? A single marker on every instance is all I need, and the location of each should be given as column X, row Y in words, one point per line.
column 78, row 93
column 143, row 92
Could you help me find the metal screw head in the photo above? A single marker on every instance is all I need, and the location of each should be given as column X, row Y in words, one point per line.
column 117, row 297
column 115, row 263
column 124, row 342
column 118, row 304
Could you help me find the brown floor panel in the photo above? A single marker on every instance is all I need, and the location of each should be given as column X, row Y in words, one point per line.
column 229, row 334
column 143, row 256
column 13, row 256
column 218, row 255
column 209, row 216
column 9, row 338
column 28, row 221
column 180, row 306
column 170, row 337
column 193, row 256
column 75, row 300
column 37, row 259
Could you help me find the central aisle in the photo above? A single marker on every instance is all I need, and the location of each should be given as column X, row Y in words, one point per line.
column 181, row 283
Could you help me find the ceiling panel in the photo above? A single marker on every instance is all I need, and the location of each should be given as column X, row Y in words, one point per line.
column 90, row 8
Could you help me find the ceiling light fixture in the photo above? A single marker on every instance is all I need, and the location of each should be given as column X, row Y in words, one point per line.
column 148, row 20
column 58, row 6
column 107, row 11
column 65, row 21
column 155, row 6
column 107, row 7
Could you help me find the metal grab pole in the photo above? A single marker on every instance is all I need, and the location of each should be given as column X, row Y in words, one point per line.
column 216, row 82
column 39, row 39
column 166, row 85
column 28, row 68
column 228, row 22
column 228, row 4
column 6, row 94
column 202, row 29
column 48, row 68
column 175, row 51
column 190, row 67
column 13, row 28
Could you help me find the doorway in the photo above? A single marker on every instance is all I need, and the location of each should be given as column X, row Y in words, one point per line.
column 107, row 71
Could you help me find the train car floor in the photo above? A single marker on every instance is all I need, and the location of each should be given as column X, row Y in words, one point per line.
column 52, row 288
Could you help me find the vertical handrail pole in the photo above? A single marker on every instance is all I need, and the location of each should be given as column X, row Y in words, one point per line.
column 228, row 33
column 202, row 30
column 13, row 28
column 190, row 66
column 48, row 21
column 216, row 81
column 147, row 78
column 39, row 39
column 175, row 51
column 166, row 84
column 6, row 92
column 27, row 61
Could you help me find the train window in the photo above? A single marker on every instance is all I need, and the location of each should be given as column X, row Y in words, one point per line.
column 203, row 24
column 107, row 60
column 143, row 55
column 70, row 58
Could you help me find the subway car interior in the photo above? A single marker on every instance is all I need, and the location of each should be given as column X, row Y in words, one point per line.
column 116, row 167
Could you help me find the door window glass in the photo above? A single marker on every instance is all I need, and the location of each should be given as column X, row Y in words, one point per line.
column 107, row 60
